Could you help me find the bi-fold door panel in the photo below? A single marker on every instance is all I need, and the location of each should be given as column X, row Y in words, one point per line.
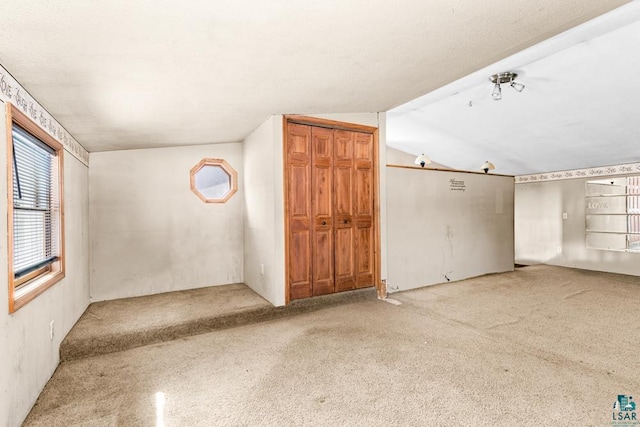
column 299, row 210
column 322, row 208
column 363, row 209
column 344, row 197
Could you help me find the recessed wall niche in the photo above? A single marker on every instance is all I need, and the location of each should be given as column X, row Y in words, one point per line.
column 613, row 213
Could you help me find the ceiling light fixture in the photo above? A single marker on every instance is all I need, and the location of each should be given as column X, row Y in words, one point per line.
column 422, row 160
column 501, row 78
column 487, row 166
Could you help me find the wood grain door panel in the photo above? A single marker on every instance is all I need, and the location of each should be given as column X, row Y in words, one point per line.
column 299, row 266
column 363, row 211
column 344, row 262
column 344, row 203
column 364, row 193
column 299, row 175
column 343, row 143
column 364, row 268
column 299, row 257
column 322, row 211
column 343, row 193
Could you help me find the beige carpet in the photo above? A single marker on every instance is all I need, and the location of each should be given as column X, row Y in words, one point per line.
column 118, row 325
column 539, row 346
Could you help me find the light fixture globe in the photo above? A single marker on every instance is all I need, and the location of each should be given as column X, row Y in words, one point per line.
column 497, row 93
column 517, row 86
column 487, row 166
column 422, row 160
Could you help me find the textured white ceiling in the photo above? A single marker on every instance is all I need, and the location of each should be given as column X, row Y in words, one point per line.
column 150, row 73
column 579, row 108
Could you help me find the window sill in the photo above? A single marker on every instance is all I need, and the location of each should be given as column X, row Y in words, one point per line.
column 27, row 292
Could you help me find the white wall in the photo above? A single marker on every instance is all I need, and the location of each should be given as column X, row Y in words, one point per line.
column 28, row 357
column 397, row 157
column 543, row 236
column 264, row 202
column 150, row 233
column 434, row 231
column 538, row 223
column 264, row 211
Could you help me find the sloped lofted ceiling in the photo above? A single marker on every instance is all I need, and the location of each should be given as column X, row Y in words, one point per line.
column 125, row 74
column 579, row 108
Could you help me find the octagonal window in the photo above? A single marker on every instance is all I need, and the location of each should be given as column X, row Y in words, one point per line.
column 214, row 180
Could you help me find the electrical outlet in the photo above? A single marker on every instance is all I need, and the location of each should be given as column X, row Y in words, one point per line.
column 51, row 329
column 262, row 269
column 564, row 215
column 559, row 249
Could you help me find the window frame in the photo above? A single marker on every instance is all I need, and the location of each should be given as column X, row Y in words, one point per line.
column 25, row 289
column 233, row 179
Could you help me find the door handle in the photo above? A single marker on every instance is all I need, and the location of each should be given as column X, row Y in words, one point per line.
column 346, row 221
column 324, row 222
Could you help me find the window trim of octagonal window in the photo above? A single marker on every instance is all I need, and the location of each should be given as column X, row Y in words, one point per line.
column 226, row 167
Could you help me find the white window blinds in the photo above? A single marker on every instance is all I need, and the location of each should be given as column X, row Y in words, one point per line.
column 36, row 203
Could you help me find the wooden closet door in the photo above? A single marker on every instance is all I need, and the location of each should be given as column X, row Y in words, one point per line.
column 330, row 209
column 363, row 211
column 345, row 277
column 298, row 168
column 322, row 210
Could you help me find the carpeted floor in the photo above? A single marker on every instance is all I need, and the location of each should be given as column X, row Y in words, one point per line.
column 539, row 346
column 123, row 324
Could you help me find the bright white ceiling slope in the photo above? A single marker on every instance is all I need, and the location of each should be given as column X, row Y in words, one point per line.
column 579, row 108
column 151, row 73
